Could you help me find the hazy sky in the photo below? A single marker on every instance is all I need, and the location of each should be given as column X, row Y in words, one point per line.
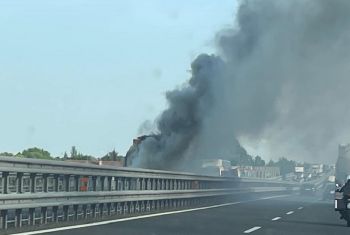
column 88, row 73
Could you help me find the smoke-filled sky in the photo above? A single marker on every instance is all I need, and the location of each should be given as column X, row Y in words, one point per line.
column 279, row 83
column 89, row 73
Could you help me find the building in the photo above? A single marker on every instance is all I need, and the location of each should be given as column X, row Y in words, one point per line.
column 263, row 172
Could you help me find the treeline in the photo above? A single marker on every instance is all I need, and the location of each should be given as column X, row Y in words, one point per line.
column 286, row 166
column 74, row 154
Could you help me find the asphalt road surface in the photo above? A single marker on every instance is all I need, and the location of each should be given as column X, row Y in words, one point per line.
column 275, row 215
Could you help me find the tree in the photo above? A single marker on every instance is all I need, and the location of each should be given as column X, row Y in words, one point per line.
column 75, row 155
column 270, row 163
column 286, row 166
column 73, row 152
column 65, row 155
column 35, row 153
column 6, row 154
column 112, row 156
column 258, row 161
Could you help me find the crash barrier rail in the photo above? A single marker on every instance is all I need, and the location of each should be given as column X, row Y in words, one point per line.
column 36, row 192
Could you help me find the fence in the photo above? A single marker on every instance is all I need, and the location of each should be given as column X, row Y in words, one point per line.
column 37, row 192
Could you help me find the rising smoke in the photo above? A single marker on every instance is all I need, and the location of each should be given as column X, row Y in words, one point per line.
column 280, row 83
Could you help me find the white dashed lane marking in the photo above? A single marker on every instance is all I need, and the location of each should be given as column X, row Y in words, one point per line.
column 252, row 229
column 276, row 218
column 289, row 212
column 144, row 217
column 300, row 208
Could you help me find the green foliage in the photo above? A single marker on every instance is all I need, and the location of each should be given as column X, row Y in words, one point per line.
column 35, row 153
column 6, row 154
column 75, row 155
column 73, row 152
column 286, row 166
column 65, row 155
column 112, row 156
column 258, row 161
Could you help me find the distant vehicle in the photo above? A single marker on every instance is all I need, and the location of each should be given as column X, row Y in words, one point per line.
column 307, row 189
column 331, row 178
column 329, row 191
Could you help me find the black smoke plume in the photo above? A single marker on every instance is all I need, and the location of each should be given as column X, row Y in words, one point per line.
column 280, row 84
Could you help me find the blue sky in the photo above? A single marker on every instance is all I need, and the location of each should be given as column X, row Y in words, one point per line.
column 88, row 73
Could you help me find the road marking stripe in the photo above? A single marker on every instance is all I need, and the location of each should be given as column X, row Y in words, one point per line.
column 252, row 229
column 300, row 208
column 289, row 212
column 142, row 217
column 276, row 218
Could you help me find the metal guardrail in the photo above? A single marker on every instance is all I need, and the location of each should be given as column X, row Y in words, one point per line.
column 42, row 191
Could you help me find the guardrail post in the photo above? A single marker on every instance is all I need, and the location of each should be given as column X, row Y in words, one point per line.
column 162, row 184
column 93, row 210
column 142, row 206
column 31, row 216
column 137, row 207
column 66, row 183
column 101, row 207
column 45, row 183
column 5, row 182
column 55, row 214
column 154, row 185
column 18, row 218
column 119, row 208
column 84, row 207
column 166, row 184
column 65, row 213
column 118, row 184
column 116, row 181
column 148, row 206
column 153, row 205
column 94, row 183
column 76, row 182
column 4, row 217
column 126, row 183
column 19, row 182
column 56, row 179
column 125, row 208
column 131, row 207
column 109, row 208
column 148, row 184
column 138, row 184
column 109, row 181
column 102, row 180
column 142, row 183
column 43, row 215
column 32, row 182
column 75, row 209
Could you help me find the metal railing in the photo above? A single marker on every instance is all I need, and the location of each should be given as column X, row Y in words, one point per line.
column 36, row 192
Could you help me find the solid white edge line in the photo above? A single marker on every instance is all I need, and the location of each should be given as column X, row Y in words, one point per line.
column 289, row 212
column 141, row 217
column 276, row 218
column 252, row 229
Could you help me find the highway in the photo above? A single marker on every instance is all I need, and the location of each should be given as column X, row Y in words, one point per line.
column 271, row 215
